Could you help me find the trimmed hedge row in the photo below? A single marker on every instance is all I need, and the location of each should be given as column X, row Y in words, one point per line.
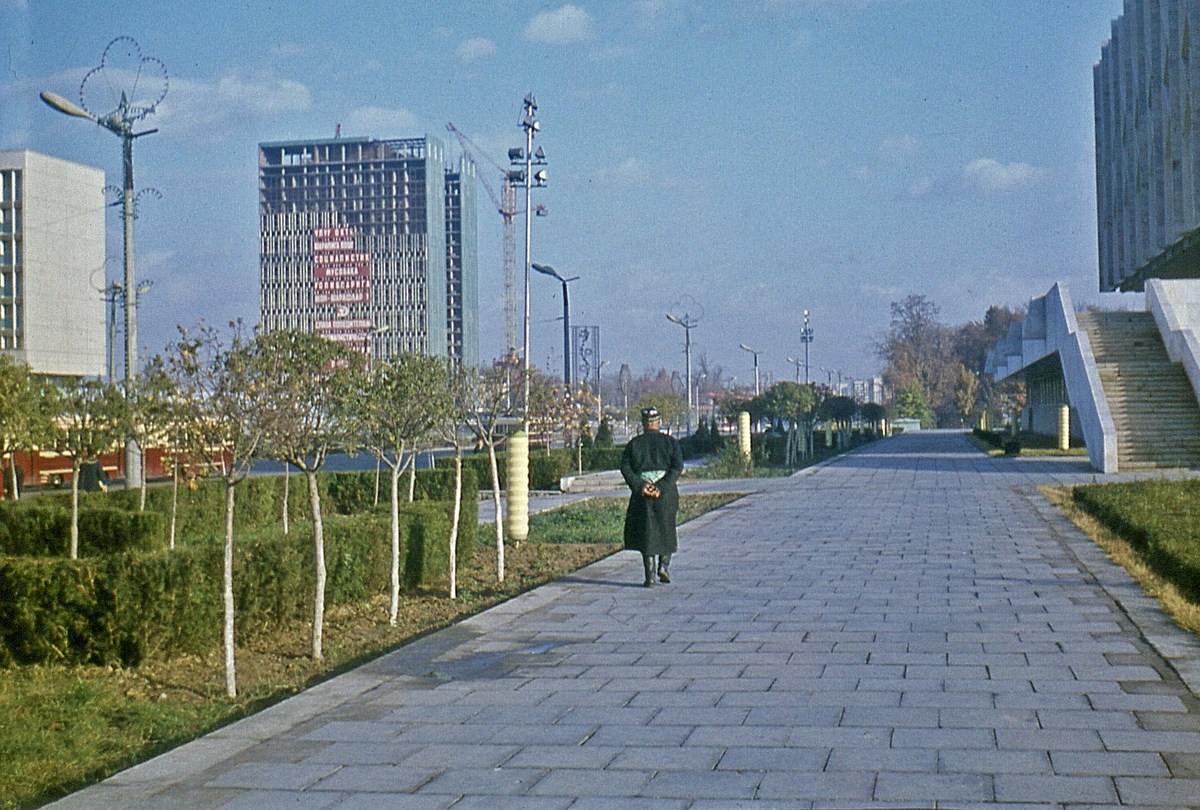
column 545, row 469
column 143, row 600
column 110, row 523
column 122, row 608
column 43, row 530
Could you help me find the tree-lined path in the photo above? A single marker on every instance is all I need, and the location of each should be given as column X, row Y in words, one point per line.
column 909, row 625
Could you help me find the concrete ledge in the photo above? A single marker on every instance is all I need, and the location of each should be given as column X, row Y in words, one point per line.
column 592, row 482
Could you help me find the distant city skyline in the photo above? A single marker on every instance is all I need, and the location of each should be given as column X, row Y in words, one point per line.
column 764, row 157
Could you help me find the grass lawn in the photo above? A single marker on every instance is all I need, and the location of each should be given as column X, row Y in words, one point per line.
column 1032, row 444
column 1152, row 529
column 63, row 728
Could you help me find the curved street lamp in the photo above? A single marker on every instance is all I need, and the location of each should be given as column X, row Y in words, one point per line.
column 688, row 323
column 120, row 122
column 547, row 270
column 756, row 379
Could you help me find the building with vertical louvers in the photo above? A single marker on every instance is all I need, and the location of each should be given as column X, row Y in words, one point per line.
column 367, row 242
column 1147, row 104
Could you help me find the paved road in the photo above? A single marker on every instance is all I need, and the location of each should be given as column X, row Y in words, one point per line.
column 911, row 625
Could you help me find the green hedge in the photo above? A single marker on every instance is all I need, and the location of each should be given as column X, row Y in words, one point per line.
column 128, row 598
column 43, row 530
column 1159, row 519
column 110, row 523
column 121, row 608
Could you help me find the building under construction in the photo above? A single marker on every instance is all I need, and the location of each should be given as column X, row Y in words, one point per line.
column 371, row 243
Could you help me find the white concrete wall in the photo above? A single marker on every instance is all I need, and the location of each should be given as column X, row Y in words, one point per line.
column 1175, row 306
column 63, row 269
column 1051, row 328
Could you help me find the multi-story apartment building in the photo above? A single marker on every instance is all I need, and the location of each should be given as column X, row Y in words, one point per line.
column 462, row 284
column 52, row 264
column 1147, row 104
column 371, row 243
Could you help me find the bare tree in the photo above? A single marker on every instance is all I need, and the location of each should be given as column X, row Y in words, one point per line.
column 403, row 400
column 488, row 400
column 453, row 419
column 219, row 419
column 26, row 406
column 309, row 386
column 93, row 418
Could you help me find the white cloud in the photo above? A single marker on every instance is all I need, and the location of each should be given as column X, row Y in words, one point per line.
column 382, row 122
column 476, row 48
column 921, row 187
column 992, row 176
column 234, row 98
column 566, row 26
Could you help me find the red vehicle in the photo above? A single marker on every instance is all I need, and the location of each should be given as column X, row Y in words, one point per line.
column 51, row 469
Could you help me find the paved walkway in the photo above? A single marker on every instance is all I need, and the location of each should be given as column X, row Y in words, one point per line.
column 909, row 626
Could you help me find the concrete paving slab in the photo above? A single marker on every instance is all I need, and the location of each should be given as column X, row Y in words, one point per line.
column 911, row 624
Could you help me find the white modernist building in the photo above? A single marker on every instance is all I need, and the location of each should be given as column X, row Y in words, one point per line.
column 1147, row 105
column 52, row 264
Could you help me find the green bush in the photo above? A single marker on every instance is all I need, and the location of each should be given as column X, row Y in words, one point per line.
column 121, row 608
column 43, row 530
column 1159, row 519
column 41, row 526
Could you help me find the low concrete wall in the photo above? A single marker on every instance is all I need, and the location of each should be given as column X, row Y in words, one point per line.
column 1175, row 306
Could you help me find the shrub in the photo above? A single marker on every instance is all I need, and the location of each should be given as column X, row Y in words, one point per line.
column 121, row 608
column 1012, row 447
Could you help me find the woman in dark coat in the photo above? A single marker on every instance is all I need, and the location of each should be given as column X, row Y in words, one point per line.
column 651, row 464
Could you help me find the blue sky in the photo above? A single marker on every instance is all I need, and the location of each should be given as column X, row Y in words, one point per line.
column 762, row 156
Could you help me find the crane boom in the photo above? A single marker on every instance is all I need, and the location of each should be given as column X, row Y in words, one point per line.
column 507, row 207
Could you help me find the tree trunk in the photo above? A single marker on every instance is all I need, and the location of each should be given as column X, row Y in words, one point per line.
column 75, row 465
column 412, row 475
column 394, row 605
column 142, row 494
column 286, row 478
column 454, row 521
column 318, row 623
column 491, row 446
column 227, row 594
column 174, row 501
column 16, row 491
column 377, row 463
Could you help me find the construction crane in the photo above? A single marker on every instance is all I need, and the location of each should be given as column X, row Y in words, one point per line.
column 507, row 206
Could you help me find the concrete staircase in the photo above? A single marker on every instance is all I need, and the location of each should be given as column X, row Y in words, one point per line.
column 1152, row 403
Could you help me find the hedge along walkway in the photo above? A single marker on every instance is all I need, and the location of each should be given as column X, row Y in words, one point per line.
column 907, row 625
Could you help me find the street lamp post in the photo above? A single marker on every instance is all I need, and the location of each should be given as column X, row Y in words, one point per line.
column 531, row 180
column 757, row 390
column 806, row 337
column 688, row 323
column 547, row 270
column 797, row 364
column 120, row 122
